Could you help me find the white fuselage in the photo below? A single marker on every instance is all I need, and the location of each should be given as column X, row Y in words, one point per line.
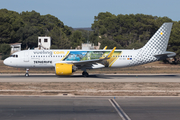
column 48, row 58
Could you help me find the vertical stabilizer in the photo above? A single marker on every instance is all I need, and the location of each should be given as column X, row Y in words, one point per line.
column 155, row 46
column 159, row 41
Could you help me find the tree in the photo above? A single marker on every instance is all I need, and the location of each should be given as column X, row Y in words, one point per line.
column 174, row 41
column 28, row 36
column 109, row 43
column 59, row 38
column 10, row 22
column 5, row 50
column 76, row 39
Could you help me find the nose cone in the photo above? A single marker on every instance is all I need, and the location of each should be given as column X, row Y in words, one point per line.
column 5, row 61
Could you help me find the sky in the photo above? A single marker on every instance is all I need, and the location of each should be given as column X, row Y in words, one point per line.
column 80, row 13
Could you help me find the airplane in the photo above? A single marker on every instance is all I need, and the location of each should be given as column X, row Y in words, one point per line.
column 66, row 62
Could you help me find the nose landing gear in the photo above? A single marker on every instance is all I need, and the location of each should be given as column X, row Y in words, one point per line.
column 27, row 72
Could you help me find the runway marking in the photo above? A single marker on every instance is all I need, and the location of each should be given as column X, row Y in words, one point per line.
column 119, row 110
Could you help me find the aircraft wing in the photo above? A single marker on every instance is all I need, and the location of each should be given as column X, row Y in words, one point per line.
column 89, row 62
column 92, row 61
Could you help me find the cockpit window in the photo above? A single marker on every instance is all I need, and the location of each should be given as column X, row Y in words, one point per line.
column 14, row 56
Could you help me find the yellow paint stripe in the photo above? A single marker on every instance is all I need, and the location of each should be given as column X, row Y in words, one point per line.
column 114, row 60
column 65, row 55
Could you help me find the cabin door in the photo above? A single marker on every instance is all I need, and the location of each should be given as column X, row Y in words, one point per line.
column 26, row 56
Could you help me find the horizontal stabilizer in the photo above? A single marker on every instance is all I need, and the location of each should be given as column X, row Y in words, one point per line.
column 166, row 54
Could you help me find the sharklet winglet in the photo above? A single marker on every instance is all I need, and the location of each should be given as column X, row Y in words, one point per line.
column 105, row 48
column 111, row 53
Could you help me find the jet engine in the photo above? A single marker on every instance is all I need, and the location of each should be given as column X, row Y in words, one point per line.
column 64, row 69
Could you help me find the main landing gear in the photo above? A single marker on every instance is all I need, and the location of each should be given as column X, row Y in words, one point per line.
column 27, row 72
column 85, row 74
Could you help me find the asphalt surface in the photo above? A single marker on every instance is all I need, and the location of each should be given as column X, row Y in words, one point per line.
column 91, row 78
column 151, row 108
column 88, row 108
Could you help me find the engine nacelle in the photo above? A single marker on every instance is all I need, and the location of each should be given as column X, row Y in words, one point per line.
column 63, row 69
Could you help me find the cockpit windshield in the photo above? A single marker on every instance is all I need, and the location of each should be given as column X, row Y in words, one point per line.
column 14, row 56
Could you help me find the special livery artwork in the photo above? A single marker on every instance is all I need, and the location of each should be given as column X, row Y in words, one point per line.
column 92, row 55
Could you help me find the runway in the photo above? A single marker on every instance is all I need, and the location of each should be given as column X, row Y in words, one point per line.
column 89, row 108
column 91, row 78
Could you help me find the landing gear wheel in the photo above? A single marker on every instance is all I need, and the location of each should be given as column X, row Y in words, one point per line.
column 85, row 74
column 27, row 75
column 27, row 72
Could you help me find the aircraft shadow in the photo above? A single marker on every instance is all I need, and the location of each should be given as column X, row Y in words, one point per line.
column 101, row 76
column 105, row 76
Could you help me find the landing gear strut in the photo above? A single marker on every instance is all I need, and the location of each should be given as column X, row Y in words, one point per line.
column 85, row 74
column 27, row 72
